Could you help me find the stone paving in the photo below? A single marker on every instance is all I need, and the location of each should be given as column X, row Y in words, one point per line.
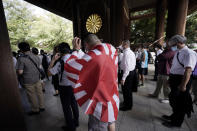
column 145, row 115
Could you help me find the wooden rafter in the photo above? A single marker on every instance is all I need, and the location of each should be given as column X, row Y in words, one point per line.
column 143, row 16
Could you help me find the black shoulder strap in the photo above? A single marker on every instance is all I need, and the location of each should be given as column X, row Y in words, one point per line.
column 33, row 63
column 179, row 60
column 62, row 68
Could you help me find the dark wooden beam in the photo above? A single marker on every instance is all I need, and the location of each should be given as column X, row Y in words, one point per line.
column 11, row 113
column 64, row 7
column 144, row 16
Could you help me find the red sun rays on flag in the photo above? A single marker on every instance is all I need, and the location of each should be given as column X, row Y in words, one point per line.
column 94, row 79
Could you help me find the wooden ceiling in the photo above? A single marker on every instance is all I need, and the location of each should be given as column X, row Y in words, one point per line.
column 64, row 7
column 60, row 7
column 138, row 5
column 192, row 6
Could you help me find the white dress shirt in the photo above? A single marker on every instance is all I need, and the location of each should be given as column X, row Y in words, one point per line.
column 128, row 62
column 187, row 57
column 120, row 56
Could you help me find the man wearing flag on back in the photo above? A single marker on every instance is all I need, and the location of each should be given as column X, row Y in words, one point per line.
column 94, row 80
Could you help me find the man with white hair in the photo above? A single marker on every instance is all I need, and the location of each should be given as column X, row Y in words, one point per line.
column 180, row 81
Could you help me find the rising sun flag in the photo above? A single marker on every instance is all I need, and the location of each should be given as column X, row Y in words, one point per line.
column 94, row 80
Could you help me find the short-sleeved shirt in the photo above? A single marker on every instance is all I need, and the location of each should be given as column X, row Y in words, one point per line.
column 144, row 64
column 187, row 57
column 63, row 80
column 30, row 75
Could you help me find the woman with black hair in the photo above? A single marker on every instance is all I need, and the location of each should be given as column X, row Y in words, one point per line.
column 69, row 104
column 55, row 78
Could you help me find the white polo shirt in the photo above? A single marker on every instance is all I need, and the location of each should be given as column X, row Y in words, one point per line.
column 187, row 57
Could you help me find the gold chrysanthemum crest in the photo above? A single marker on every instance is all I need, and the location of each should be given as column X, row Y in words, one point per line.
column 94, row 23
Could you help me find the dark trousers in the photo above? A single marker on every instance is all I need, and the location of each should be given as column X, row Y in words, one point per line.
column 55, row 81
column 156, row 70
column 180, row 102
column 127, row 90
column 120, row 73
column 46, row 73
column 70, row 107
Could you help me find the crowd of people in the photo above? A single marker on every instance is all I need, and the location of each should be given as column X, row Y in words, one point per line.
column 89, row 78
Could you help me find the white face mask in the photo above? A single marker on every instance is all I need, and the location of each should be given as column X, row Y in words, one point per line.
column 174, row 48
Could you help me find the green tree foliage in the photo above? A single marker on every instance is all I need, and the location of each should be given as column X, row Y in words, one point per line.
column 53, row 31
column 19, row 20
column 143, row 30
column 191, row 28
column 40, row 31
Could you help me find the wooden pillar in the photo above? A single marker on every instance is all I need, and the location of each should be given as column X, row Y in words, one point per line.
column 177, row 13
column 117, row 22
column 127, row 21
column 160, row 19
column 127, row 31
column 11, row 113
column 76, row 18
column 113, row 22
